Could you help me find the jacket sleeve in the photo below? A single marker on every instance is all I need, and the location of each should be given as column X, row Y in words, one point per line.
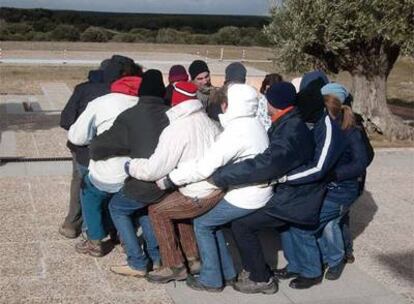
column 70, row 111
column 359, row 163
column 164, row 159
column 113, row 142
column 273, row 163
column 224, row 150
column 84, row 128
column 326, row 153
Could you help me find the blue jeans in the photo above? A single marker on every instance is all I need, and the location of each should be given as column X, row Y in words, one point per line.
column 94, row 205
column 123, row 211
column 305, row 248
column 215, row 256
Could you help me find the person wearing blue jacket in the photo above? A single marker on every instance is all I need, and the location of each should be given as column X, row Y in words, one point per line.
column 291, row 145
column 303, row 253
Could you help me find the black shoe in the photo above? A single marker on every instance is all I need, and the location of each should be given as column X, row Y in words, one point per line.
column 334, row 273
column 195, row 284
column 349, row 258
column 284, row 274
column 304, row 283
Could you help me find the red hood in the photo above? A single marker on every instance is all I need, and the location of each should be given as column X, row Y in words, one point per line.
column 128, row 85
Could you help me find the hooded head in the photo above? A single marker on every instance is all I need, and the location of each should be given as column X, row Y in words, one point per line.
column 128, row 85
column 152, row 84
column 119, row 66
column 235, row 73
column 183, row 91
column 96, row 76
column 177, row 73
column 242, row 101
column 309, row 77
column 310, row 100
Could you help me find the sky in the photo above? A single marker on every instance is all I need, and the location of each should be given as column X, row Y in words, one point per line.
column 222, row 7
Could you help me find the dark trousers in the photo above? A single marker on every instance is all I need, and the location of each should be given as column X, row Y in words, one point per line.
column 73, row 219
column 246, row 233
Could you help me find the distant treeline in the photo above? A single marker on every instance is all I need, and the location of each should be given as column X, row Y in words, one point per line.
column 49, row 25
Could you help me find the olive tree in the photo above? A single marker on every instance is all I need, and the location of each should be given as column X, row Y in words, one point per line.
column 364, row 38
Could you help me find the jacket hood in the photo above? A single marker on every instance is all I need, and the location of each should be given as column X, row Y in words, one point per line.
column 128, row 85
column 96, row 76
column 310, row 102
column 184, row 109
column 309, row 77
column 242, row 101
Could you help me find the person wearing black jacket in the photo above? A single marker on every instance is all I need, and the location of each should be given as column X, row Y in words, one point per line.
column 98, row 84
column 291, row 145
column 135, row 133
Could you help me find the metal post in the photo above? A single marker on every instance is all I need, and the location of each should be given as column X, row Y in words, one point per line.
column 64, row 56
column 1, row 55
column 206, row 55
column 243, row 55
column 221, row 54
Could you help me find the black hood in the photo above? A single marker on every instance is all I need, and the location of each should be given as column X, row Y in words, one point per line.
column 310, row 101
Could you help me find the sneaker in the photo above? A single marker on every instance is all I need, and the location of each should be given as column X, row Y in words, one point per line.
column 334, row 273
column 230, row 282
column 126, row 270
column 305, row 283
column 243, row 275
column 195, row 284
column 249, row 286
column 284, row 274
column 167, row 274
column 67, row 232
column 194, row 266
column 93, row 248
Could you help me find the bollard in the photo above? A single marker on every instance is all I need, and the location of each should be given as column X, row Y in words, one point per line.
column 1, row 55
column 64, row 56
column 243, row 55
column 206, row 55
column 221, row 54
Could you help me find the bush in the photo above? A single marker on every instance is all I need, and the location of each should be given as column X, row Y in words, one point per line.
column 167, row 35
column 38, row 36
column 95, row 34
column 123, row 37
column 65, row 32
column 228, row 35
column 200, row 39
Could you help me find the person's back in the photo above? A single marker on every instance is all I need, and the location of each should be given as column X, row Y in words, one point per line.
column 107, row 175
column 187, row 137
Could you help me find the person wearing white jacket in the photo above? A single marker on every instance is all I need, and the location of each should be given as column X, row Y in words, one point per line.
column 105, row 177
column 243, row 137
column 188, row 136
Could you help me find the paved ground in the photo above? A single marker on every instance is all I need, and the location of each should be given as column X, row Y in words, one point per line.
column 39, row 266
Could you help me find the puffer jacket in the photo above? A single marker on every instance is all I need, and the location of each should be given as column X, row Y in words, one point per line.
column 188, row 136
column 106, row 175
column 243, row 138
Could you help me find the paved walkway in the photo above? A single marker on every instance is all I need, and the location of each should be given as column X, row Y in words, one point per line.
column 37, row 265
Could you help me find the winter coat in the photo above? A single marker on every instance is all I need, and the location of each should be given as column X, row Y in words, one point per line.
column 82, row 95
column 330, row 144
column 188, row 137
column 262, row 113
column 99, row 115
column 243, row 137
column 135, row 133
column 291, row 145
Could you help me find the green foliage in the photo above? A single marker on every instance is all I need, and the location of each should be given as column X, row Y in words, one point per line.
column 228, row 35
column 124, row 37
column 167, row 35
column 352, row 35
column 95, row 34
column 65, row 32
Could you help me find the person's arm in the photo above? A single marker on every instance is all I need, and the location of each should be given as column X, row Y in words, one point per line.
column 70, row 111
column 224, row 150
column 329, row 146
column 278, row 159
column 359, row 163
column 113, row 142
column 164, row 159
column 84, row 129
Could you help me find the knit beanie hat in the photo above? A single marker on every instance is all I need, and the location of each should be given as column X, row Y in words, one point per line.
column 312, row 76
column 335, row 89
column 235, row 72
column 281, row 95
column 183, row 90
column 177, row 73
column 197, row 67
column 152, row 84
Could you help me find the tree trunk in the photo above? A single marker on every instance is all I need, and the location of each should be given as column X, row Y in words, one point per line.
column 371, row 102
